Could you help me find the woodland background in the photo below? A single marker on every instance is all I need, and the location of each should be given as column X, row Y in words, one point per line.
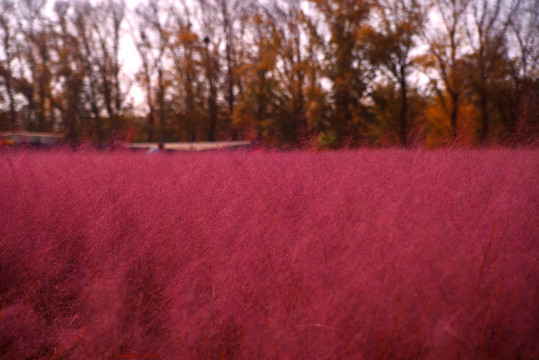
column 308, row 72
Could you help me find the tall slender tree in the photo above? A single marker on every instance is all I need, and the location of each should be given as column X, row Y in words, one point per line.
column 110, row 16
column 520, row 116
column 185, row 50
column 390, row 43
column 446, row 51
column 7, row 51
column 68, row 73
column 290, row 37
column 344, row 66
column 486, row 28
column 153, row 39
column 33, row 51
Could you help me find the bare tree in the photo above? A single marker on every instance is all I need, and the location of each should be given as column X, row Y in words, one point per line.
column 152, row 39
column 87, row 55
column 486, row 28
column 290, row 38
column 144, row 75
column 232, row 17
column 212, row 64
column 67, row 72
column 110, row 16
column 33, row 51
column 186, row 50
column 524, row 69
column 446, row 47
column 7, row 31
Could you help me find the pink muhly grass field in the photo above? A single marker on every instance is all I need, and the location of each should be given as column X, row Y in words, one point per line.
column 366, row 254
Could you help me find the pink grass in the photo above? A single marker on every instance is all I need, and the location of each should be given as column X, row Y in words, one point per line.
column 387, row 254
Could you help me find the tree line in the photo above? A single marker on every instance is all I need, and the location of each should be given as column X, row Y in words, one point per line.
column 309, row 72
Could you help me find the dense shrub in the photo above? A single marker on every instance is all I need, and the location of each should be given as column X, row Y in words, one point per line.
column 387, row 254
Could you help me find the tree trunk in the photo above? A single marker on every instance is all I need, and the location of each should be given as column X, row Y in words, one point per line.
column 161, row 108
column 404, row 110
column 9, row 89
column 212, row 98
column 151, row 122
column 454, row 114
column 484, row 119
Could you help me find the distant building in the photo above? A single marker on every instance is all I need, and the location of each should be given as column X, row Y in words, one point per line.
column 29, row 138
